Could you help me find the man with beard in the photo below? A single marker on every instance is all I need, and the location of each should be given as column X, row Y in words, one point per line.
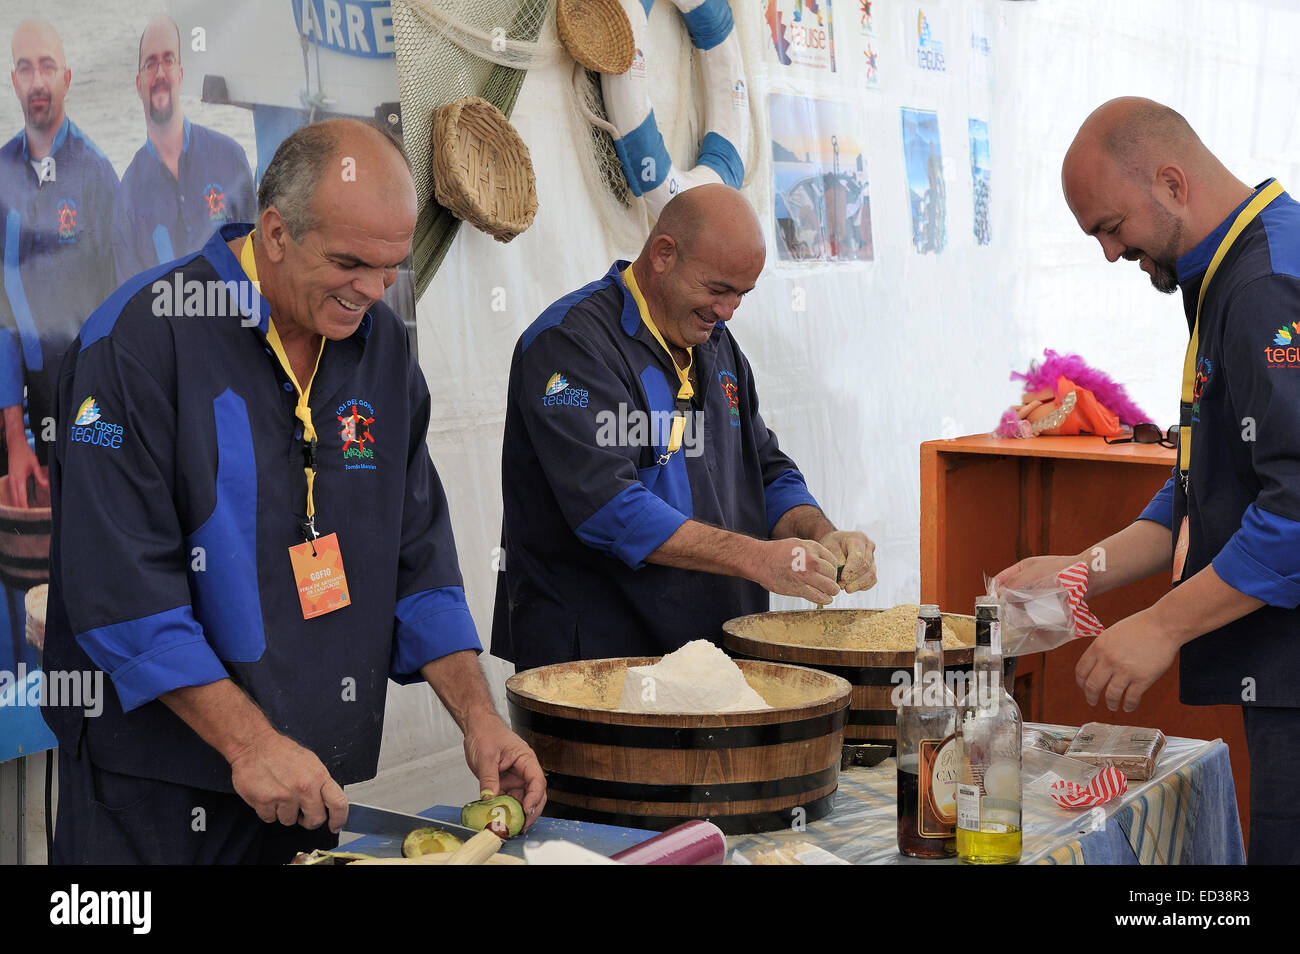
column 186, row 180
column 56, row 205
column 1228, row 522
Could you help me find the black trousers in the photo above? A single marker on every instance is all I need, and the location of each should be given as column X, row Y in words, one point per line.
column 1273, row 740
column 110, row 819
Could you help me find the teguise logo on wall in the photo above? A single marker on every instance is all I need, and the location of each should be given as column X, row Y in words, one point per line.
column 929, row 50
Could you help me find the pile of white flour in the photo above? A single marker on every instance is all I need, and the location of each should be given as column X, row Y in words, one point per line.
column 699, row 677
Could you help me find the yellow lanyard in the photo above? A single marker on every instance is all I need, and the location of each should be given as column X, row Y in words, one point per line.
column 1247, row 215
column 686, row 391
column 303, row 409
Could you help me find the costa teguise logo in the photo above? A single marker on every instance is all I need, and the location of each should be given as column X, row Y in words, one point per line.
column 1284, row 352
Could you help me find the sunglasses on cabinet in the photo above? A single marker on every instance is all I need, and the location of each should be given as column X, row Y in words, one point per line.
column 1148, row 433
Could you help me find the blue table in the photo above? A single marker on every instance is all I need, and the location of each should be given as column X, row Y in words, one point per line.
column 602, row 839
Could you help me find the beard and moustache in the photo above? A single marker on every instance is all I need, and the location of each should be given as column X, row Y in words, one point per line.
column 38, row 109
column 1164, row 263
column 161, row 116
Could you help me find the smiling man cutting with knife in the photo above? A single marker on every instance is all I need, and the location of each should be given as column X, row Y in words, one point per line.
column 250, row 537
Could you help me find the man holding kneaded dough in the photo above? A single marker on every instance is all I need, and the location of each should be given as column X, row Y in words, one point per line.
column 646, row 501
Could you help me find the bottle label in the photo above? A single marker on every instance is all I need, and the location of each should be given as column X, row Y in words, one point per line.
column 968, row 807
column 940, row 767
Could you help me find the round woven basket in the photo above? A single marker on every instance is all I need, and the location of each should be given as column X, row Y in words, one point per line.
column 482, row 172
column 596, row 33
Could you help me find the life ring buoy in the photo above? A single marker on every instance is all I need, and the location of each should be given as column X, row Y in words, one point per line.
column 646, row 163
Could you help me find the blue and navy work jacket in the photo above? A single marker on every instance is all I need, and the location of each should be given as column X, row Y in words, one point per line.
column 55, row 236
column 586, row 498
column 179, row 488
column 1243, row 497
column 160, row 217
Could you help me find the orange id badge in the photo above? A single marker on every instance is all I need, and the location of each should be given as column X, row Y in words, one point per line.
column 322, row 585
column 1180, row 551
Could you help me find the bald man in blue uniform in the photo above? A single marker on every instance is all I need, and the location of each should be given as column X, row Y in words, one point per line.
column 646, row 502
column 56, row 203
column 186, row 181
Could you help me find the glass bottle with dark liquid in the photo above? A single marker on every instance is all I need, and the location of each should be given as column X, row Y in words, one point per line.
column 929, row 760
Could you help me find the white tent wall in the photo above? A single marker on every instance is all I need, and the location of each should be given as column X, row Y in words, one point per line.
column 889, row 353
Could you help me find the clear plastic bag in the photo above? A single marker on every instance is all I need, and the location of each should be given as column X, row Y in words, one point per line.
column 1041, row 770
column 1034, row 618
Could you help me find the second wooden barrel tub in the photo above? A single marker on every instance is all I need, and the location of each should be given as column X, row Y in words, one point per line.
column 758, row 770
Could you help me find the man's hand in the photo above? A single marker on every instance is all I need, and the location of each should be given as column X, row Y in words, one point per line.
column 22, row 464
column 794, row 567
column 1125, row 660
column 1032, row 569
column 500, row 760
column 283, row 781
column 504, row 764
column 854, row 552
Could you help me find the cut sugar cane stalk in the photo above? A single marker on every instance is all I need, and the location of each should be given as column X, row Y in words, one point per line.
column 477, row 850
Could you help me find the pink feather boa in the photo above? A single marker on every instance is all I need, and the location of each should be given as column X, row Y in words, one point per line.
column 1108, row 392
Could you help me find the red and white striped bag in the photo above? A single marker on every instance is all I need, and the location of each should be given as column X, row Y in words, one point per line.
column 1108, row 783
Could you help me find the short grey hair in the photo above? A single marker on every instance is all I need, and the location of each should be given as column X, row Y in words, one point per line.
column 297, row 168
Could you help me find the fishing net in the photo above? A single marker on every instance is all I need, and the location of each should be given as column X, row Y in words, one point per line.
column 447, row 49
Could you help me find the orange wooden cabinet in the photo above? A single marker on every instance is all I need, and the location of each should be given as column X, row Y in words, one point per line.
column 987, row 503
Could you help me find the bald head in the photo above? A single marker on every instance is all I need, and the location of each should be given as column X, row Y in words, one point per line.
column 715, row 211
column 39, row 34
column 40, row 76
column 1138, row 135
column 1139, row 179
column 162, row 32
column 337, row 161
column 703, row 255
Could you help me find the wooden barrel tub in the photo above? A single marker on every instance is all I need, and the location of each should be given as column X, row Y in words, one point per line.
column 785, row 637
column 24, row 539
column 761, row 770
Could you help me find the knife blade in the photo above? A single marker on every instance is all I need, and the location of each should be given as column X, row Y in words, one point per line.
column 383, row 823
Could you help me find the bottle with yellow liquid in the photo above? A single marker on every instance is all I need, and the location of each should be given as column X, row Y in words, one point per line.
column 988, row 730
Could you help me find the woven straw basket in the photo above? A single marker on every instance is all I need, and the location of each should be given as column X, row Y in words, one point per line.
column 482, row 172
column 596, row 34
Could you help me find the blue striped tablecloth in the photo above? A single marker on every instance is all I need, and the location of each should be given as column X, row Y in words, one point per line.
column 1185, row 814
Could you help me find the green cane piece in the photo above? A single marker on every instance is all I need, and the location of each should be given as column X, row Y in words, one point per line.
column 502, row 815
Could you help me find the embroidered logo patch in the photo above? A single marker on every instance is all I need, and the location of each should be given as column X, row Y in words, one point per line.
column 731, row 388
column 88, row 413
column 67, row 221
column 215, row 197
column 1203, row 371
column 89, row 427
column 355, row 419
column 558, row 391
column 1284, row 352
